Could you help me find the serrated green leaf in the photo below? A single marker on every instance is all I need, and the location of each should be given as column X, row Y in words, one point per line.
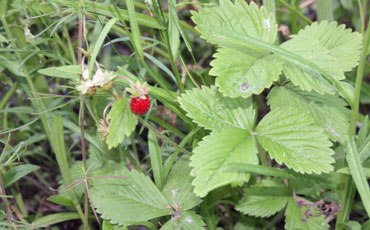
column 239, row 17
column 17, row 172
column 296, row 220
column 343, row 45
column 290, row 137
column 264, row 199
column 178, row 188
column 210, row 109
column 333, row 48
column 240, row 72
column 128, row 200
column 122, row 122
column 329, row 112
column 243, row 73
column 231, row 141
column 215, row 152
column 313, row 61
column 186, row 221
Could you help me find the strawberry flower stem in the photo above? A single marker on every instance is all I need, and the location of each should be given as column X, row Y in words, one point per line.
column 156, row 132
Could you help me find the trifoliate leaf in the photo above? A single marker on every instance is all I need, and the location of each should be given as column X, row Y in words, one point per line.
column 304, row 218
column 215, row 152
column 210, row 109
column 329, row 112
column 121, row 122
column 127, row 200
column 241, row 73
column 178, row 188
column 332, row 48
column 185, row 221
column 232, row 120
column 290, row 137
column 264, row 199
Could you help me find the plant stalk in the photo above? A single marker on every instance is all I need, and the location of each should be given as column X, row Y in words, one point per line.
column 160, row 135
column 349, row 190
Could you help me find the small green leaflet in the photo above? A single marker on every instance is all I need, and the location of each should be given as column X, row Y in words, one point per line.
column 341, row 44
column 231, row 120
column 241, row 72
column 128, row 200
column 329, row 112
column 289, row 135
column 211, row 110
column 294, row 216
column 247, row 62
column 186, row 221
column 121, row 122
column 264, row 199
column 331, row 47
column 128, row 197
column 248, row 19
column 215, row 152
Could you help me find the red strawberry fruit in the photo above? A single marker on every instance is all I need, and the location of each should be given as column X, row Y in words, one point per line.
column 140, row 106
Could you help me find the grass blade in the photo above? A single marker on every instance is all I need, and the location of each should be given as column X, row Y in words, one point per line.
column 51, row 219
column 358, row 174
column 173, row 28
column 324, row 10
column 99, row 42
column 134, row 28
column 17, row 172
column 58, row 145
column 156, row 160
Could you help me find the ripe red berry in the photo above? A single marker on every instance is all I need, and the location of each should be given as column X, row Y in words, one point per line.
column 140, row 106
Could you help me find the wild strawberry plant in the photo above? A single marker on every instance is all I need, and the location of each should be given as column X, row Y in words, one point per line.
column 266, row 139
